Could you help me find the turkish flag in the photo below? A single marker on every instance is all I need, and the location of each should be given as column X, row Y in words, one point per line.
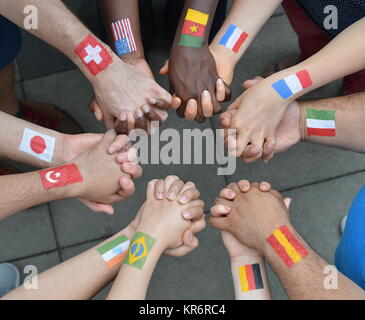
column 93, row 54
column 61, row 176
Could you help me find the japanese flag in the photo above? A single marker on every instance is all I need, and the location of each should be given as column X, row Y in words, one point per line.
column 38, row 145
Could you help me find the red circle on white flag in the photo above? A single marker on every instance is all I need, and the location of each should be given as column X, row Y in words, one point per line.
column 38, row 144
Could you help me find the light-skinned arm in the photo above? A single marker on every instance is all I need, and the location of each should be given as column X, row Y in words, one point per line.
column 117, row 86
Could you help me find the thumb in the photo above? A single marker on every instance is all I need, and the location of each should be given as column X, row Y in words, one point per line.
column 165, row 69
column 94, row 107
column 287, row 202
column 108, row 138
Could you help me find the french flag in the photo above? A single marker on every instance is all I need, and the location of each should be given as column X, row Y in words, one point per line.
column 233, row 38
column 293, row 84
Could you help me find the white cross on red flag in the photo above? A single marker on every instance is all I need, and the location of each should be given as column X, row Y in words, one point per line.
column 93, row 54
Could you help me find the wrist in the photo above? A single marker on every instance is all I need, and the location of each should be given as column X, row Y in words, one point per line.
column 302, row 122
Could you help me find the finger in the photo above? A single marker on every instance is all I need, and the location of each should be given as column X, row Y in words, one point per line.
column 98, row 207
column 129, row 156
column 241, row 144
column 251, row 153
column 191, row 110
column 127, row 187
column 94, row 107
column 207, row 105
column 252, row 82
column 188, row 195
column 265, row 186
column 287, row 202
column 109, row 121
column 159, row 103
column 150, row 192
column 131, row 121
column 269, row 147
column 119, row 142
column 169, row 180
column 160, row 189
column 198, row 225
column 220, row 90
column 193, row 213
column 220, row 210
column 244, row 185
column 122, row 123
column 200, row 116
column 165, row 69
column 227, row 194
column 223, row 202
column 276, row 194
column 141, row 122
column 174, row 189
column 150, row 113
column 132, row 169
column 234, row 187
column 175, row 102
column 220, row 223
column 190, row 243
column 228, row 92
column 225, row 119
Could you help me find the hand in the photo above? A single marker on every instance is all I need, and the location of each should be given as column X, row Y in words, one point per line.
column 255, row 121
column 103, row 176
column 164, row 218
column 287, row 134
column 252, row 215
column 194, row 79
column 122, row 90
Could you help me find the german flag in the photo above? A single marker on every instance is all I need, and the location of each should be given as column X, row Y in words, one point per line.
column 287, row 246
column 193, row 31
column 250, row 277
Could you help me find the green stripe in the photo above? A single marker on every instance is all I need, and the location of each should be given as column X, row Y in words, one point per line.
column 321, row 114
column 190, row 41
column 112, row 244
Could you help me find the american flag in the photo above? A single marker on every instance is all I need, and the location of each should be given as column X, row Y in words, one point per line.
column 123, row 37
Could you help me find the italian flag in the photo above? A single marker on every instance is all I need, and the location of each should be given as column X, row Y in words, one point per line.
column 321, row 122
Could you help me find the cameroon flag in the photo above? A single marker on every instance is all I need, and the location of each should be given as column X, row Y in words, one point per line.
column 193, row 31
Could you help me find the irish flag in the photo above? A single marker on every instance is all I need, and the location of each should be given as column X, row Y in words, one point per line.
column 286, row 245
column 321, row 122
column 293, row 84
column 193, row 30
column 114, row 251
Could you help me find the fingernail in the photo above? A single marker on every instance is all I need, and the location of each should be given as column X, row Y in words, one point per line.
column 123, row 117
column 127, row 166
column 123, row 157
column 255, row 149
column 205, row 92
column 171, row 196
column 153, row 100
column 111, row 150
column 184, row 199
column 190, row 237
column 245, row 186
column 231, row 194
column 226, row 209
column 220, row 82
column 139, row 113
column 145, row 108
column 187, row 215
column 159, row 196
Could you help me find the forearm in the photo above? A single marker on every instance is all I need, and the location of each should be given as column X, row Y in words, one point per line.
column 20, row 141
column 340, row 122
column 195, row 23
column 22, row 191
column 248, row 16
column 56, row 26
column 302, row 272
column 135, row 275
column 342, row 56
column 122, row 25
column 79, row 278
column 250, row 278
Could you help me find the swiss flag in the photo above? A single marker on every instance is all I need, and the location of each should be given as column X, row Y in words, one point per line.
column 38, row 145
column 94, row 56
column 61, row 176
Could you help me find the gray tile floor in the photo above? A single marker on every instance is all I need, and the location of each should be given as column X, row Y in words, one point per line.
column 322, row 181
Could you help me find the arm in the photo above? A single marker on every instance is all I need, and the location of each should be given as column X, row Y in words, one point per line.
column 225, row 49
column 114, row 82
column 80, row 277
column 305, row 279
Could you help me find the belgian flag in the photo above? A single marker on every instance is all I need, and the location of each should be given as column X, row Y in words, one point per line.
column 193, row 31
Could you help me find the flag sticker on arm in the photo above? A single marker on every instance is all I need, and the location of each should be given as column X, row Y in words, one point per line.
column 61, row 176
column 250, row 277
column 114, row 251
column 38, row 145
column 321, row 122
column 123, row 37
column 93, row 55
column 192, row 34
column 293, row 84
column 233, row 38
column 140, row 246
column 286, row 245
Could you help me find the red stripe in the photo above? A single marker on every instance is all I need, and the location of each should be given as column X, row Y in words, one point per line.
column 280, row 250
column 250, row 277
column 188, row 24
column 121, row 29
column 126, row 35
column 241, row 40
column 304, row 78
column 293, row 240
column 132, row 37
column 114, row 32
column 321, row 132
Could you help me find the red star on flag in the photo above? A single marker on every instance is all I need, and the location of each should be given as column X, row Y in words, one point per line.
column 94, row 56
column 61, row 176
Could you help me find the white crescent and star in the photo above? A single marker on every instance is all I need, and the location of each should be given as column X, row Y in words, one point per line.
column 48, row 176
